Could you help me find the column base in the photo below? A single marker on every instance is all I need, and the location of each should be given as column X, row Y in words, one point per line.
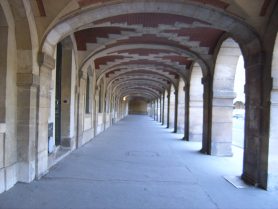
column 26, row 171
column 68, row 143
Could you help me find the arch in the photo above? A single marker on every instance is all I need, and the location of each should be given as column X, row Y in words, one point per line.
column 136, row 79
column 196, row 104
column 151, row 66
column 68, row 23
column 169, row 48
column 62, row 98
column 223, row 95
column 151, row 73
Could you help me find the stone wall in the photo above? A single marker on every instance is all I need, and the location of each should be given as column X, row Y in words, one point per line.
column 138, row 107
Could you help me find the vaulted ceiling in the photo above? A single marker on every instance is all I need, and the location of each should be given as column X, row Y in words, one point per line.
column 141, row 52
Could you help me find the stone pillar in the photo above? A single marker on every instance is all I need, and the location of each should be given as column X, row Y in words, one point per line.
column 27, row 90
column 3, row 71
column 160, row 107
column 168, row 109
column 255, row 148
column 2, row 157
column 186, row 90
column 96, row 111
column 176, row 111
column 222, row 123
column 47, row 64
column 207, row 99
column 153, row 108
column 162, row 110
column 81, row 106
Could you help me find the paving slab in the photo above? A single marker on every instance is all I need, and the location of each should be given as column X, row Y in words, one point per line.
column 137, row 163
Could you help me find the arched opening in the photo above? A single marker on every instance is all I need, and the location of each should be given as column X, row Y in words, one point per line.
column 196, row 104
column 239, row 106
column 172, row 98
column 61, row 119
column 272, row 181
column 228, row 103
column 181, row 107
column 223, row 97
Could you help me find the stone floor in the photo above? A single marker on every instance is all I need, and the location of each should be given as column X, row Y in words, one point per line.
column 138, row 163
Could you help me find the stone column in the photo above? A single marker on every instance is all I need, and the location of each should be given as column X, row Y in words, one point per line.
column 207, row 99
column 154, row 112
column 168, row 109
column 163, row 106
column 81, row 106
column 96, row 111
column 47, row 64
column 176, row 111
column 222, row 123
column 2, row 157
column 160, row 107
column 27, row 89
column 3, row 71
column 255, row 148
column 186, row 89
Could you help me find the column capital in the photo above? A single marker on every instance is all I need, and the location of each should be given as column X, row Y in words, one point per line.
column 45, row 60
column 186, row 86
column 83, row 74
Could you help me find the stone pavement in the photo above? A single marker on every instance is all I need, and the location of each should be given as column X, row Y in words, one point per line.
column 137, row 163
